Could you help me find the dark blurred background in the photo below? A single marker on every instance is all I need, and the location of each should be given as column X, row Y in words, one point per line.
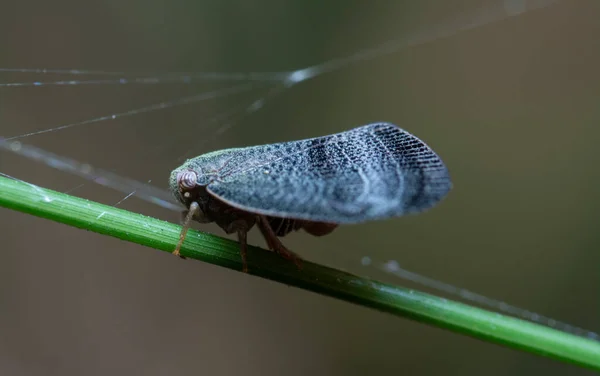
column 512, row 108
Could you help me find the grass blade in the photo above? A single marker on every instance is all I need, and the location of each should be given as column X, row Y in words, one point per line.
column 443, row 313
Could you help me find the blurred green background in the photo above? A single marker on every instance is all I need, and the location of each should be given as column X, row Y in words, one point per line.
column 512, row 107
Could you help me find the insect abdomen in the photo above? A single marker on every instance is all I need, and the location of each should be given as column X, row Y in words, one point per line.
column 283, row 226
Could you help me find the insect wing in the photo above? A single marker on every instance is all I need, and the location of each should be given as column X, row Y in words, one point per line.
column 372, row 172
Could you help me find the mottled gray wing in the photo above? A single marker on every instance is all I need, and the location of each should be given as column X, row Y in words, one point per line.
column 372, row 172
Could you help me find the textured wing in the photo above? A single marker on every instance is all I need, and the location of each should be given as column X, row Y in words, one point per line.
column 372, row 172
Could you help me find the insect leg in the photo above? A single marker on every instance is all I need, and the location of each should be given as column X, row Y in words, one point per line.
column 274, row 243
column 194, row 210
column 241, row 227
column 197, row 216
column 267, row 237
column 243, row 249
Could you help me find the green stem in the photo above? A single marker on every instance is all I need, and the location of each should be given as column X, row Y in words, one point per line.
column 425, row 308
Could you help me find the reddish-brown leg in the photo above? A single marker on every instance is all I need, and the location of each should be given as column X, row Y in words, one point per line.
column 240, row 227
column 194, row 209
column 274, row 243
column 266, row 235
column 243, row 249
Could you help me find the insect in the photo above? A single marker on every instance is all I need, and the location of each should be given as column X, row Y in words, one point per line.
column 373, row 172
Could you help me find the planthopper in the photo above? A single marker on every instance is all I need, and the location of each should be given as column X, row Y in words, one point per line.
column 373, row 172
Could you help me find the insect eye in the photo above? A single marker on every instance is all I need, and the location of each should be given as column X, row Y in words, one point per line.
column 187, row 180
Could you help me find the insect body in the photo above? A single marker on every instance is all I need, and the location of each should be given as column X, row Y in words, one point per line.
column 373, row 172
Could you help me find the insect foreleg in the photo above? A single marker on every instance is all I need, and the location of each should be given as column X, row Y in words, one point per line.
column 192, row 212
column 197, row 216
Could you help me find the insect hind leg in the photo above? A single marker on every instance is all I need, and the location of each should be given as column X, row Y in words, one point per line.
column 274, row 243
